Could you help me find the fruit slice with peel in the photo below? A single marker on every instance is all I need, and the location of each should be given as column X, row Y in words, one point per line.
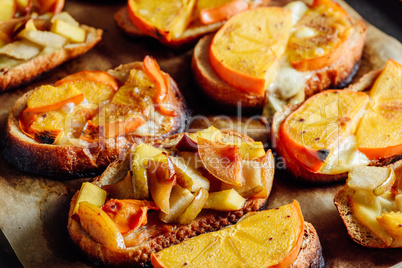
column 91, row 193
column 194, row 208
column 320, row 36
column 100, row 226
column 50, row 98
column 375, row 179
column 180, row 198
column 314, row 130
column 164, row 20
column 267, row 174
column 128, row 214
column 189, row 141
column 245, row 52
column 97, row 76
column 222, row 12
column 161, row 179
column 221, row 160
column 122, row 189
column 188, row 177
column 225, row 200
column 251, row 150
column 243, row 244
column 384, row 116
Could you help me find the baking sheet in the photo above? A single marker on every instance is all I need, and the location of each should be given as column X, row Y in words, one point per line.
column 33, row 210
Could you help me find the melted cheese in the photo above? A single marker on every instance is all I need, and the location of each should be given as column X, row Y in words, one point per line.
column 305, row 32
column 345, row 157
column 298, row 9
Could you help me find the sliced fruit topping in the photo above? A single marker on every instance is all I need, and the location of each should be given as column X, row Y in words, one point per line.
column 165, row 19
column 7, row 9
column 90, row 193
column 377, row 133
column 225, row 200
column 222, row 160
column 314, row 130
column 180, row 198
column 222, row 12
column 194, row 208
column 189, row 141
column 49, row 98
column 73, row 33
column 373, row 179
column 391, row 222
column 161, row 179
column 243, row 244
column 121, row 190
column 54, row 6
column 100, row 226
column 97, row 76
column 128, row 214
column 24, row 6
column 188, row 177
column 246, row 55
column 320, row 37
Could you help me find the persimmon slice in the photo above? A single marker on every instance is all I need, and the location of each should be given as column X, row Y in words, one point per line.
column 246, row 55
column 320, row 36
column 249, row 243
column 222, row 12
column 378, row 133
column 97, row 76
column 315, row 129
column 222, row 160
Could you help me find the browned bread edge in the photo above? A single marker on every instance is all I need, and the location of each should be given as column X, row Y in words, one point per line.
column 329, row 76
column 69, row 161
column 137, row 256
column 30, row 69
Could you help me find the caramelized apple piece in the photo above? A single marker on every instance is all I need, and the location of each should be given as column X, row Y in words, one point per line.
column 122, row 189
column 188, row 177
column 20, row 50
column 194, row 208
column 100, row 226
column 73, row 33
column 373, row 179
column 90, row 193
column 226, row 200
column 179, row 200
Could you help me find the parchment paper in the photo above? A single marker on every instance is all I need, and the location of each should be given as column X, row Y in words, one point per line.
column 33, row 210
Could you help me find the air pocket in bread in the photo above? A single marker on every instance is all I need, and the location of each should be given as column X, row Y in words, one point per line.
column 84, row 121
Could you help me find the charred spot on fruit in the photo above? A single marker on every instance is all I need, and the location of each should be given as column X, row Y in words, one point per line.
column 343, row 120
column 301, row 120
column 323, row 154
column 317, row 139
column 46, row 137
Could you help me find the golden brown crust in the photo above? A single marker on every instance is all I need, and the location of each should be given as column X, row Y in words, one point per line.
column 207, row 221
column 310, row 254
column 305, row 175
column 330, row 76
column 69, row 161
column 27, row 71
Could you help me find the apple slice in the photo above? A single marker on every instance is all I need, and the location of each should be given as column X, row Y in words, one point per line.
column 189, row 141
column 194, row 208
column 161, row 179
column 66, row 17
column 251, row 150
column 44, row 38
column 221, row 160
column 100, row 226
column 320, row 36
column 246, row 55
column 7, row 9
column 122, row 189
column 188, row 177
column 140, row 157
column 225, row 200
column 180, row 199
column 374, row 136
column 50, row 98
column 313, row 131
column 73, row 33
column 375, row 179
column 21, row 50
column 164, row 20
column 90, row 193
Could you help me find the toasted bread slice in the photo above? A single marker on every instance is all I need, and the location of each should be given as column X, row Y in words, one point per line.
column 337, row 73
column 67, row 161
column 302, row 173
column 190, row 36
column 27, row 71
column 207, row 221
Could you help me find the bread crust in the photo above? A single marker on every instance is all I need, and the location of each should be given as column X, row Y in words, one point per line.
column 27, row 71
column 207, row 221
column 339, row 72
column 63, row 162
column 303, row 174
